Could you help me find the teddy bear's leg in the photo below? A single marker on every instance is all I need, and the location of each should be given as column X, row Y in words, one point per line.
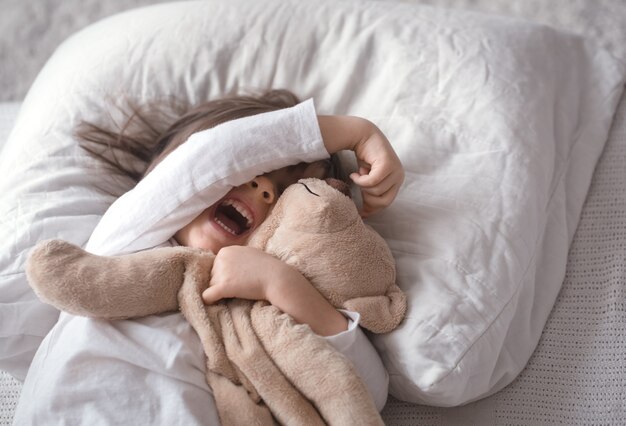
column 81, row 283
column 316, row 369
column 236, row 399
column 246, row 352
column 205, row 320
column 234, row 405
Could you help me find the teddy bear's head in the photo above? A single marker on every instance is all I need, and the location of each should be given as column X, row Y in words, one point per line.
column 316, row 228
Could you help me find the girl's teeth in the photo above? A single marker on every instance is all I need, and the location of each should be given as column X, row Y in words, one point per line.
column 241, row 209
column 223, row 225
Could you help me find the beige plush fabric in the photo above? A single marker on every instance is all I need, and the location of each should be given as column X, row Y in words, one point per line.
column 262, row 366
column 317, row 229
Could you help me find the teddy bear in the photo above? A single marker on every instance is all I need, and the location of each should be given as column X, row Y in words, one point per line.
column 262, row 366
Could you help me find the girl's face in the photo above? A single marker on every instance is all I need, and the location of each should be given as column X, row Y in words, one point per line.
column 231, row 220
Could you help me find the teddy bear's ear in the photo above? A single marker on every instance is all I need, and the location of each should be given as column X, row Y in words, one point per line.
column 380, row 314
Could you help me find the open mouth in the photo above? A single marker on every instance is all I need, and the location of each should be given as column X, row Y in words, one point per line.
column 234, row 217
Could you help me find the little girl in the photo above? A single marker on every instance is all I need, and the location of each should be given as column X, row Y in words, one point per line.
column 216, row 228
column 164, row 369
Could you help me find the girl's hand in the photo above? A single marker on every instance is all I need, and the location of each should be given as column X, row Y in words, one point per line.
column 242, row 272
column 249, row 273
column 380, row 173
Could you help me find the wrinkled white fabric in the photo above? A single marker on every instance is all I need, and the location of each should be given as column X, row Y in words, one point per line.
column 498, row 122
column 145, row 371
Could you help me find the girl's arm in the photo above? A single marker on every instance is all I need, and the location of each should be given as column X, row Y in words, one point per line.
column 380, row 172
column 263, row 277
column 249, row 273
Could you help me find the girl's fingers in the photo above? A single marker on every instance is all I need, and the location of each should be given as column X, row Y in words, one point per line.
column 382, row 187
column 377, row 190
column 211, row 295
column 374, row 203
column 367, row 178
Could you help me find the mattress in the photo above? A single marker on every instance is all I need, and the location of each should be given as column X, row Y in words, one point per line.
column 577, row 374
column 9, row 387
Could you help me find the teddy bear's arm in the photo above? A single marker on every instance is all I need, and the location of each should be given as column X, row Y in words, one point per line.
column 380, row 314
column 115, row 287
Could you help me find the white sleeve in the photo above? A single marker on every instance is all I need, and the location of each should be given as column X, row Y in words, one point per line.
column 359, row 350
column 201, row 171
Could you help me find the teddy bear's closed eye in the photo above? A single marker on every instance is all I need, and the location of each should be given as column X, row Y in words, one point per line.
column 308, row 189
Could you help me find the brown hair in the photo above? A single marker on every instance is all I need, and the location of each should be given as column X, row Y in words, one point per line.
column 151, row 132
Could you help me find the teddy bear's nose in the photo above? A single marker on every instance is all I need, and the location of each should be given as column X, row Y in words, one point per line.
column 264, row 186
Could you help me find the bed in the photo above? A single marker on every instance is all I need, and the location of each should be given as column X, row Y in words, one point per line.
column 577, row 374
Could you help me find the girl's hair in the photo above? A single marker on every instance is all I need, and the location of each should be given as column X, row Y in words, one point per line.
column 144, row 140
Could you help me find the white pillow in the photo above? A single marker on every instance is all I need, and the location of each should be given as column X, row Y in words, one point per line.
column 499, row 124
